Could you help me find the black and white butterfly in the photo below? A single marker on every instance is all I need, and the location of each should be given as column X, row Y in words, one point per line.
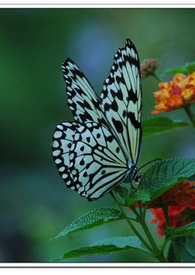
column 101, row 148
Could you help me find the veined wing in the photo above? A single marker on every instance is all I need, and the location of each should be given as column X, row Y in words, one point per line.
column 82, row 100
column 121, row 100
column 88, row 158
column 97, row 163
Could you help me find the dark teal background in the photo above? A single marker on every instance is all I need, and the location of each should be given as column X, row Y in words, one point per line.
column 34, row 202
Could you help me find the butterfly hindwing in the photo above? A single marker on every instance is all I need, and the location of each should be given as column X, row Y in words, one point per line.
column 88, row 158
column 96, row 160
column 121, row 100
column 82, row 100
column 62, row 141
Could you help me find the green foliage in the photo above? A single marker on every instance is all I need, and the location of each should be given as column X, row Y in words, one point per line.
column 140, row 195
column 108, row 246
column 122, row 191
column 186, row 249
column 155, row 126
column 130, row 197
column 186, row 230
column 156, row 180
column 164, row 174
column 188, row 68
column 91, row 219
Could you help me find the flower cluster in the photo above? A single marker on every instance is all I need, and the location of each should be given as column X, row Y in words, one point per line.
column 175, row 94
column 148, row 67
column 178, row 216
column 181, row 199
column 181, row 194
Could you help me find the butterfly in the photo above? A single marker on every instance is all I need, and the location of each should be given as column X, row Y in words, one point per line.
column 101, row 148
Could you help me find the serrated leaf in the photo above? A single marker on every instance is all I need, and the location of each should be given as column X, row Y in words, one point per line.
column 188, row 68
column 186, row 230
column 154, row 126
column 164, row 174
column 186, row 249
column 108, row 246
column 91, row 219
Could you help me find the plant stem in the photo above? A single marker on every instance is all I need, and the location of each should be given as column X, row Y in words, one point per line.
column 173, row 243
column 157, row 252
column 130, row 224
column 149, row 236
column 189, row 114
column 140, row 208
column 164, row 244
column 157, row 77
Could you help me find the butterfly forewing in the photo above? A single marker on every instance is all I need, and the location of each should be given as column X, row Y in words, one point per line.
column 121, row 100
column 82, row 100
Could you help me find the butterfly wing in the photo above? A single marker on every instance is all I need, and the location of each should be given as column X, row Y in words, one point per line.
column 82, row 100
column 91, row 160
column 61, row 144
column 121, row 100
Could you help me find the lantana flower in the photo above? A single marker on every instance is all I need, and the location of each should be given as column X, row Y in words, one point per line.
column 181, row 201
column 176, row 218
column 175, row 94
column 148, row 67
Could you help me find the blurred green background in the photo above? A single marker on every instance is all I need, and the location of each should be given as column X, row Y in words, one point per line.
column 35, row 205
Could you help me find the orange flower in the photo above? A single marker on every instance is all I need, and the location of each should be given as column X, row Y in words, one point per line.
column 176, row 93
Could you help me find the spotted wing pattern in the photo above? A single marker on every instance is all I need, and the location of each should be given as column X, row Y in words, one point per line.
column 62, row 141
column 82, row 100
column 121, row 100
column 89, row 158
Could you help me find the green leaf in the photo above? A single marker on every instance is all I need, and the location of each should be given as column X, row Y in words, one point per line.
column 186, row 249
column 91, row 219
column 139, row 195
column 186, row 230
column 164, row 174
column 188, row 68
column 108, row 246
column 122, row 191
column 130, row 197
column 155, row 126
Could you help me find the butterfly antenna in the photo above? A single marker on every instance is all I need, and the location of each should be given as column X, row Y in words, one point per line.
column 149, row 163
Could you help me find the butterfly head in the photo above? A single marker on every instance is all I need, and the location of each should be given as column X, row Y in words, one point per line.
column 136, row 175
column 133, row 174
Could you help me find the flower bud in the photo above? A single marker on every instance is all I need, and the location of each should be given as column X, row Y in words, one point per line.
column 148, row 67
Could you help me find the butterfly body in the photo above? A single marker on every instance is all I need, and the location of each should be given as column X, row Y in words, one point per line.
column 132, row 173
column 100, row 149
